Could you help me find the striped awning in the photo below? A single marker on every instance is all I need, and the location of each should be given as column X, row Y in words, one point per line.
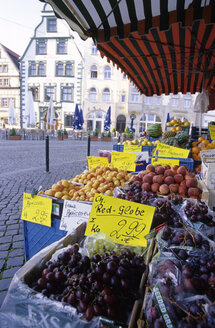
column 163, row 46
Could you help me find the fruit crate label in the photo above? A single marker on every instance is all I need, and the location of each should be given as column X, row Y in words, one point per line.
column 55, row 209
column 124, row 161
column 212, row 131
column 165, row 161
column 94, row 161
column 37, row 209
column 164, row 150
column 132, row 148
column 74, row 213
column 162, row 307
column 125, row 222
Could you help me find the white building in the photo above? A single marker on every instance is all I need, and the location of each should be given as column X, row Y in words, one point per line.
column 51, row 66
column 9, row 85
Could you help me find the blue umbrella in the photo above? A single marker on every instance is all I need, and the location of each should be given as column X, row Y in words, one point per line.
column 168, row 118
column 107, row 122
column 76, row 122
column 132, row 129
column 81, row 118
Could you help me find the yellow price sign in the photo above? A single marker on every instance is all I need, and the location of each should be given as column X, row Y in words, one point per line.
column 124, row 161
column 37, row 209
column 125, row 222
column 164, row 161
column 132, row 148
column 164, row 150
column 94, row 161
column 212, row 131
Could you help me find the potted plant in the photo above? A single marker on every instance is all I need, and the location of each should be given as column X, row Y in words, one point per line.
column 60, row 134
column 65, row 134
column 13, row 135
column 127, row 135
column 106, row 136
column 94, row 137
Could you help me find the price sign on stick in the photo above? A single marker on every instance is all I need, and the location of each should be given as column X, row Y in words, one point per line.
column 125, row 222
column 164, row 161
column 212, row 131
column 94, row 161
column 124, row 161
column 164, row 150
column 37, row 209
column 132, row 148
column 74, row 213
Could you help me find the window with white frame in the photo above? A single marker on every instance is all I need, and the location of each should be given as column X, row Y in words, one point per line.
column 51, row 25
column 41, row 69
column 49, row 93
column 175, row 101
column 4, row 102
column 61, row 46
column 106, row 95
column 41, row 47
column 69, row 69
column 59, row 69
column 3, row 68
column 6, row 82
column 134, row 95
column 158, row 101
column 107, row 72
column 123, row 96
column 187, row 101
column 32, row 69
column 147, row 120
column 67, row 94
column 92, row 95
column 148, row 101
column 93, row 49
column 93, row 72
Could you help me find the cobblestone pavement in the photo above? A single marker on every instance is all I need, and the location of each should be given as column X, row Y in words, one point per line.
column 22, row 168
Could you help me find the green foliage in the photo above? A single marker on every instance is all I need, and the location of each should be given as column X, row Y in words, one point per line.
column 96, row 133
column 113, row 130
column 59, row 133
column 65, row 132
column 126, row 130
column 106, row 134
column 13, row 132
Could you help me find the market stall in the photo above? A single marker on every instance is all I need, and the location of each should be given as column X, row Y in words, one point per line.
column 139, row 245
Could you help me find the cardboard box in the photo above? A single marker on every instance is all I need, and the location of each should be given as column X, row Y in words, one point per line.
column 208, row 172
column 208, row 195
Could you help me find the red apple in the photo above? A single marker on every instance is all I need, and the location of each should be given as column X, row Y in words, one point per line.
column 146, row 186
column 168, row 172
column 169, row 180
column 191, row 183
column 189, row 175
column 150, row 168
column 174, row 169
column 182, row 190
column 158, row 179
column 173, row 188
column 159, row 169
column 193, row 191
column 147, row 178
column 183, row 183
column 155, row 187
column 178, row 178
column 152, row 174
column 182, row 170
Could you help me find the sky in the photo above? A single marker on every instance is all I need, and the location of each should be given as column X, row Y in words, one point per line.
column 18, row 19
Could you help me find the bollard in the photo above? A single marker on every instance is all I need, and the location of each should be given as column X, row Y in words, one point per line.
column 24, row 134
column 47, row 153
column 88, row 145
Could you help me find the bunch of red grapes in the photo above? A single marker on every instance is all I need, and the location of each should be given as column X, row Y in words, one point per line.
column 105, row 285
column 198, row 212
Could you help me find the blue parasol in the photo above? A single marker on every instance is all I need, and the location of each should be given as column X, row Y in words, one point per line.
column 132, row 129
column 168, row 118
column 76, row 122
column 107, row 122
column 81, row 118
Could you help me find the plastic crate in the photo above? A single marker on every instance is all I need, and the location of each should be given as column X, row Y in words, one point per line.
column 38, row 236
column 188, row 162
column 118, row 147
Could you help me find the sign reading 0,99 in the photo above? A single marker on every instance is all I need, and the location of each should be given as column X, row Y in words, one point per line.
column 125, row 222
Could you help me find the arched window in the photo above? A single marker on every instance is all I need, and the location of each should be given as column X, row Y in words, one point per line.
column 147, row 120
column 92, row 95
column 94, row 49
column 134, row 95
column 93, row 72
column 107, row 72
column 106, row 95
column 120, row 123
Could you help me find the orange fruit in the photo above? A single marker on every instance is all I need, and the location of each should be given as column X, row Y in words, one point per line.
column 201, row 139
column 194, row 143
column 206, row 142
column 178, row 128
column 195, row 150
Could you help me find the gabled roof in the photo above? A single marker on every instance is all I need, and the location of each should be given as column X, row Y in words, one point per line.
column 14, row 56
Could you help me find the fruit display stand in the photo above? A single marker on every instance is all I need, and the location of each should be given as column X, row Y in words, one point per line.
column 28, row 305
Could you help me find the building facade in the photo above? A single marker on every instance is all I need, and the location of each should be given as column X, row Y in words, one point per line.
column 51, row 67
column 9, row 85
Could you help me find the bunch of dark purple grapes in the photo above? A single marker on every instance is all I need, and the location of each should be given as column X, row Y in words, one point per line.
column 134, row 193
column 176, row 199
column 199, row 212
column 165, row 213
column 186, row 315
column 179, row 237
column 105, row 285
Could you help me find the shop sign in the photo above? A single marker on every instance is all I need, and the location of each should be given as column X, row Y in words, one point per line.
column 164, row 161
column 37, row 209
column 164, row 150
column 74, row 213
column 94, row 161
column 124, row 161
column 125, row 222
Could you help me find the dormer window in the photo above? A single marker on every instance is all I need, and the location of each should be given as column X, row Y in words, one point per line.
column 51, row 24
